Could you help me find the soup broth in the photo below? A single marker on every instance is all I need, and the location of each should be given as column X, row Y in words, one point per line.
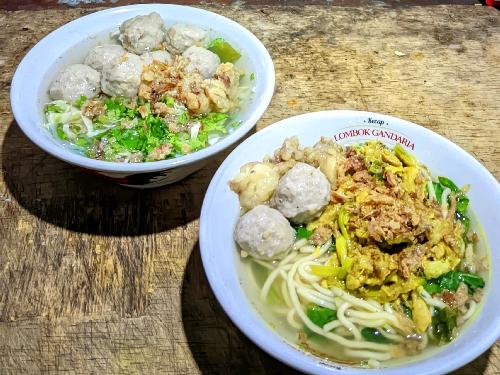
column 349, row 298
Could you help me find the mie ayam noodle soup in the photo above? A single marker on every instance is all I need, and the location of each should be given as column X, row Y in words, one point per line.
column 152, row 93
column 357, row 253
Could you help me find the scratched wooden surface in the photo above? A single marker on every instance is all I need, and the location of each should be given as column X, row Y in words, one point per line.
column 99, row 279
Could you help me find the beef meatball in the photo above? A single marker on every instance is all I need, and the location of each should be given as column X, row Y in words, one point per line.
column 302, row 193
column 264, row 233
column 74, row 81
column 142, row 33
column 201, row 60
column 99, row 56
column 162, row 56
column 123, row 76
column 180, row 37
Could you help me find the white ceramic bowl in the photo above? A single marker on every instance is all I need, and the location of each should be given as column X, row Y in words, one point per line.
column 221, row 209
column 70, row 43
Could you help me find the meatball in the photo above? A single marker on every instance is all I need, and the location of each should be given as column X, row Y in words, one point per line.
column 123, row 76
column 142, row 33
column 302, row 193
column 180, row 37
column 254, row 184
column 99, row 56
column 325, row 154
column 264, row 233
column 74, row 81
column 162, row 56
column 201, row 60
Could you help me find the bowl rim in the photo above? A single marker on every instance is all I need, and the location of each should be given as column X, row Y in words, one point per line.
column 61, row 153
column 259, row 336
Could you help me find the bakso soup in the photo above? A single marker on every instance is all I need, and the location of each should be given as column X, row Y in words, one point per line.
column 358, row 254
column 152, row 92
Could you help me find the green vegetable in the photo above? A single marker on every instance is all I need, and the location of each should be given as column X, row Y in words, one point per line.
column 224, row 50
column 462, row 203
column 328, row 271
column 182, row 118
column 332, row 248
column 407, row 311
column 116, row 109
column 451, row 280
column 83, row 141
column 80, row 101
column 438, row 190
column 374, row 335
column 444, row 322
column 446, row 182
column 252, row 76
column 132, row 139
column 156, row 126
column 60, row 132
column 343, row 220
column 57, row 106
column 320, row 315
column 377, row 169
column 168, row 100
column 461, row 199
column 302, row 232
column 407, row 159
column 214, row 122
column 125, row 131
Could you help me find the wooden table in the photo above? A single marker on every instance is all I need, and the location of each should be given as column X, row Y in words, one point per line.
column 101, row 279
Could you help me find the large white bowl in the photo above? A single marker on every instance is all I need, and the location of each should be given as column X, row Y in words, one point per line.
column 221, row 209
column 69, row 44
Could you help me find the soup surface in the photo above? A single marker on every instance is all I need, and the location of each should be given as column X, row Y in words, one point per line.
column 358, row 254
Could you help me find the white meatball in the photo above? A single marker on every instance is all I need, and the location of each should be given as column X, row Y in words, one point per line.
column 264, row 233
column 302, row 193
column 74, row 81
column 123, row 76
column 162, row 56
column 201, row 60
column 180, row 37
column 99, row 56
column 142, row 33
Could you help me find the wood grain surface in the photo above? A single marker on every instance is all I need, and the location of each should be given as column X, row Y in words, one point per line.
column 101, row 279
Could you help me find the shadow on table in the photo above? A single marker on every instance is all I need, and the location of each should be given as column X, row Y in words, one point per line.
column 218, row 347
column 64, row 195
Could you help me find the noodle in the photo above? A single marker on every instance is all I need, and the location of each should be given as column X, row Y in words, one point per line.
column 470, row 311
column 290, row 317
column 433, row 302
column 402, row 247
column 349, row 325
column 313, row 327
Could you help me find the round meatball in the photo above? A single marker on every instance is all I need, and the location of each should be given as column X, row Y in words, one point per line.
column 302, row 193
column 142, row 33
column 99, row 56
column 201, row 60
column 74, row 81
column 162, row 56
column 180, row 37
column 264, row 233
column 123, row 76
